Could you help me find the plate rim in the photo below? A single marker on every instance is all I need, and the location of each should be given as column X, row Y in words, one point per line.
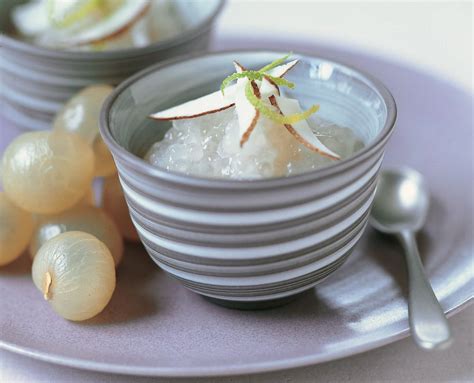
column 218, row 371
column 274, row 365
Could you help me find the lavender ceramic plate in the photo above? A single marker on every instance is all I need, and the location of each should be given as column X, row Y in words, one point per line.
column 154, row 326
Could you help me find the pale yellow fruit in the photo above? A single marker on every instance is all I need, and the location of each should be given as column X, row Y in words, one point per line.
column 104, row 162
column 47, row 172
column 115, row 205
column 75, row 273
column 88, row 199
column 16, row 227
column 82, row 112
column 81, row 115
column 88, row 219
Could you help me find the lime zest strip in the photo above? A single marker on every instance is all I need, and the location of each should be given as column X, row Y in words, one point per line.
column 259, row 74
column 272, row 114
column 275, row 63
column 251, row 75
column 255, row 75
column 83, row 9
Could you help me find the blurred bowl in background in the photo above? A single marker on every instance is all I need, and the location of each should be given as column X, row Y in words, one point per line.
column 36, row 81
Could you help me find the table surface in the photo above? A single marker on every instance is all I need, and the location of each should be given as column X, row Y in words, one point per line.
column 433, row 35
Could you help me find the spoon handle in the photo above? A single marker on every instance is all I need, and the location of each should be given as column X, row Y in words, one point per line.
column 428, row 323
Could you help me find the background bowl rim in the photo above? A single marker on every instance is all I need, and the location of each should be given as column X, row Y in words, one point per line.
column 8, row 41
column 140, row 165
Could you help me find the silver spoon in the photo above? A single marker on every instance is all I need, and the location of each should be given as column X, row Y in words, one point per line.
column 400, row 208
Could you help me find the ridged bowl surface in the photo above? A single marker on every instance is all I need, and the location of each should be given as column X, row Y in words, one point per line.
column 249, row 240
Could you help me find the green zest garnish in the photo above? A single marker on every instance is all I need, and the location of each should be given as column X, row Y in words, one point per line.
column 275, row 63
column 98, row 46
column 73, row 13
column 265, row 109
column 255, row 75
column 274, row 115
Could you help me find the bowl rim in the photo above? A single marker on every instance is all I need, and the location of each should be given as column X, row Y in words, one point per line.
column 140, row 165
column 8, row 41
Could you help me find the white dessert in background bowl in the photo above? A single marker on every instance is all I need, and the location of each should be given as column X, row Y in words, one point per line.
column 97, row 25
column 53, row 48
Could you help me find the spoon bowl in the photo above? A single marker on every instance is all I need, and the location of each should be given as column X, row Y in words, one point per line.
column 402, row 201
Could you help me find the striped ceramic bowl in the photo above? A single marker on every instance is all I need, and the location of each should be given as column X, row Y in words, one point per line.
column 36, row 81
column 248, row 242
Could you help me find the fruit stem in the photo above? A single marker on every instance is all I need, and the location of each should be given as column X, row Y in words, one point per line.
column 47, row 285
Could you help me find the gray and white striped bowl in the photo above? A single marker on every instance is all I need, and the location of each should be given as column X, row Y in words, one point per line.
column 247, row 242
column 36, row 81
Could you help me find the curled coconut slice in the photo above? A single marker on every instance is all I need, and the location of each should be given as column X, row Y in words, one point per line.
column 281, row 70
column 213, row 102
column 108, row 27
column 301, row 130
column 31, row 18
column 246, row 113
column 268, row 88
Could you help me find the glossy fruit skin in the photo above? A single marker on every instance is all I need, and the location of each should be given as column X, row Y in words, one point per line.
column 16, row 227
column 81, row 115
column 115, row 205
column 88, row 219
column 89, row 198
column 47, row 172
column 82, row 275
column 104, row 162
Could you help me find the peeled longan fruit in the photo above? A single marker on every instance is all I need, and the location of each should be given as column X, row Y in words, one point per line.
column 115, row 205
column 75, row 273
column 47, row 172
column 88, row 219
column 88, row 199
column 82, row 112
column 16, row 227
column 81, row 115
column 104, row 162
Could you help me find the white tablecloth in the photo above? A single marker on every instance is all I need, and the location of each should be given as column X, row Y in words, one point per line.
column 434, row 35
